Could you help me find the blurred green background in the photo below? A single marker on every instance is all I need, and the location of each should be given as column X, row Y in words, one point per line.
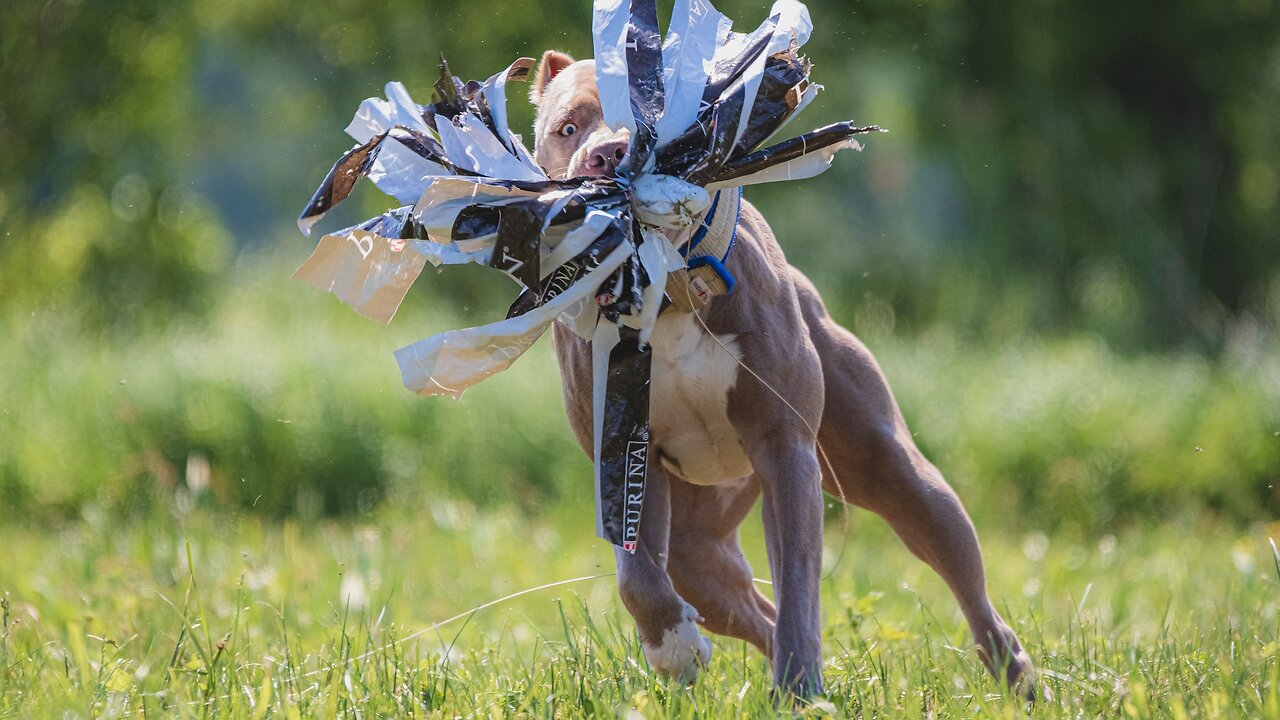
column 1064, row 253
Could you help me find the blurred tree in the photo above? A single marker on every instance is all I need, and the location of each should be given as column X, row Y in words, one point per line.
column 1111, row 168
column 1117, row 153
column 96, row 124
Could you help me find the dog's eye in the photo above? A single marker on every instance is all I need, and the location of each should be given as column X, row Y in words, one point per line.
column 568, row 129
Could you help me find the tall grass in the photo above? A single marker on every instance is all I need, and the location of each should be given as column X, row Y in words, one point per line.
column 183, row 613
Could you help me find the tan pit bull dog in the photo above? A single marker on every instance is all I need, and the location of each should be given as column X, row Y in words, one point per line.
column 724, row 437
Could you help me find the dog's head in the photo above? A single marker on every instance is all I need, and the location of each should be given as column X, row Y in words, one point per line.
column 570, row 136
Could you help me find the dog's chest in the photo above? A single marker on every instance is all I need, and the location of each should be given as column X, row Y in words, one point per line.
column 692, row 377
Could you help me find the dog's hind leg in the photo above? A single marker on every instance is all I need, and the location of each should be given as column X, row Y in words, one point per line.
column 904, row 488
column 876, row 465
column 666, row 623
column 707, row 565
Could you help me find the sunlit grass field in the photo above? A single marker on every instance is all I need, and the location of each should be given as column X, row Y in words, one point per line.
column 242, row 514
column 191, row 614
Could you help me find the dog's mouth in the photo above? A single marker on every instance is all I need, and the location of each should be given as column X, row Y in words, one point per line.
column 612, row 172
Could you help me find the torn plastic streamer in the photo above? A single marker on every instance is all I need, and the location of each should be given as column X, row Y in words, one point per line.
column 593, row 253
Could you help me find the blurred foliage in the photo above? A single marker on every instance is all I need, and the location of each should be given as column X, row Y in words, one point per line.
column 298, row 408
column 1106, row 168
column 1104, row 176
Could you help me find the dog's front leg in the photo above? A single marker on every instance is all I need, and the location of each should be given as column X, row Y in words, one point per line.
column 788, row 472
column 667, row 624
column 776, row 408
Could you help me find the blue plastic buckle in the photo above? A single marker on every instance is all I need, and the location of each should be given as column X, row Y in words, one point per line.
column 718, row 267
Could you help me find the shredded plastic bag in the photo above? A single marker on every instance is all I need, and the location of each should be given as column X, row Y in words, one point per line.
column 588, row 252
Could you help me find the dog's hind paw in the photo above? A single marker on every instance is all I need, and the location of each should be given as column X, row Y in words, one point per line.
column 683, row 651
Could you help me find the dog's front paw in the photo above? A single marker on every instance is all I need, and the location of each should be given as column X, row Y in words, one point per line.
column 683, row 650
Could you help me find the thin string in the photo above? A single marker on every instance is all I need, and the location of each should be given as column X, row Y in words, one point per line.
column 419, row 633
column 435, row 626
column 465, row 614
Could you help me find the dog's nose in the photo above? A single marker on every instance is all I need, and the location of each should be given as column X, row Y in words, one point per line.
column 603, row 159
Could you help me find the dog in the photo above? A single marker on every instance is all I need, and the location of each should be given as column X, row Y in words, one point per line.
column 744, row 393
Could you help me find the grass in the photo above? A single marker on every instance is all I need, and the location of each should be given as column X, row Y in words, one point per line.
column 191, row 613
column 166, row 550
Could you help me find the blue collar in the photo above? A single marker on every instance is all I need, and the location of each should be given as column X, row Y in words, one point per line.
column 717, row 264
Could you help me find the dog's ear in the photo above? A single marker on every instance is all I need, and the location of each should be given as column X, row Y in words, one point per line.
column 553, row 61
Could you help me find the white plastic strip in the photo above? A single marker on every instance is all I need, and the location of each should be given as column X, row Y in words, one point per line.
column 397, row 171
column 494, row 91
column 404, row 111
column 451, row 362
column 695, row 31
column 372, row 118
column 402, row 173
column 581, row 317
column 793, row 19
column 577, row 240
column 451, row 254
column 473, row 147
column 609, row 23
column 654, row 253
column 522, row 153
